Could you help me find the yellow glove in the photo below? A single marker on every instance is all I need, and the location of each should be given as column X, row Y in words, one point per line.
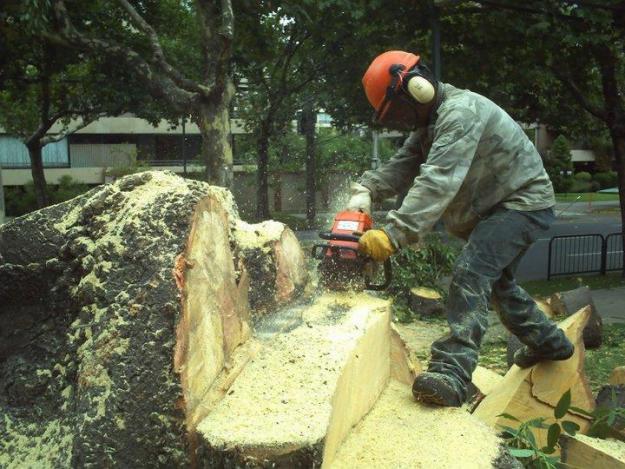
column 376, row 244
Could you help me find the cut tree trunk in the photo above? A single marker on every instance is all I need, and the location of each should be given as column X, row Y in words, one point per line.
column 612, row 397
column 583, row 451
column 534, row 392
column 37, row 171
column 569, row 302
column 100, row 295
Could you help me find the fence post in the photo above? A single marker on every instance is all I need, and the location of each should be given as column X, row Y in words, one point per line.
column 549, row 261
column 604, row 253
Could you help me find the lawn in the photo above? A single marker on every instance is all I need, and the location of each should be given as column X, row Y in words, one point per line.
column 585, row 197
column 544, row 288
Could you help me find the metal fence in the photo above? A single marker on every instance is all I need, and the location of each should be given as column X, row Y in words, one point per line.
column 584, row 254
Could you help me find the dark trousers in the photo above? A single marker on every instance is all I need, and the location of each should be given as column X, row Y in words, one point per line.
column 485, row 269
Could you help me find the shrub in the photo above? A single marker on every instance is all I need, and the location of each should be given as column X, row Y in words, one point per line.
column 606, row 179
column 580, row 186
column 583, row 176
column 558, row 164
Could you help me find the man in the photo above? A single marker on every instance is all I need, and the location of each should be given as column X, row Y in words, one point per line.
column 469, row 164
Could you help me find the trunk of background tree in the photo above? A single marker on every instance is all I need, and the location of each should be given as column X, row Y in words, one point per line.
column 39, row 178
column 262, row 174
column 213, row 119
column 309, row 119
column 277, row 195
column 619, row 155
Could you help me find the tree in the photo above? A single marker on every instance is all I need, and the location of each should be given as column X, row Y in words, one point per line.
column 549, row 59
column 44, row 85
column 180, row 51
column 559, row 165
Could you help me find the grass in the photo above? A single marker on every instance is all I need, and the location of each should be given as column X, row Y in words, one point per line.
column 544, row 288
column 600, row 362
column 585, row 197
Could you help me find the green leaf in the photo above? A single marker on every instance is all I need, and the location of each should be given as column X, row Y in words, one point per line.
column 611, row 418
column 581, row 411
column 509, row 417
column 570, row 427
column 521, row 453
column 537, row 423
column 553, row 434
column 563, row 406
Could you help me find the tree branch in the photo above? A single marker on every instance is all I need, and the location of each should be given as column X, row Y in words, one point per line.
column 85, row 121
column 67, row 35
column 158, row 53
column 578, row 94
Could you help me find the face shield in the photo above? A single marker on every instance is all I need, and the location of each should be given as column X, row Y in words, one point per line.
column 399, row 113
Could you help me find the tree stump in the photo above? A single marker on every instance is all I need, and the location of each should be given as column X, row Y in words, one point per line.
column 613, row 397
column 425, row 301
column 583, row 451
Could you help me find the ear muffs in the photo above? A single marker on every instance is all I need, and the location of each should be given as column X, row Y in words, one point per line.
column 420, row 89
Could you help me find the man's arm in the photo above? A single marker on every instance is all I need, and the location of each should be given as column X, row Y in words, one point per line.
column 456, row 136
column 397, row 173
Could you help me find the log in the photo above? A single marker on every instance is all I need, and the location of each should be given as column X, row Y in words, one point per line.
column 569, row 302
column 617, row 376
column 534, row 392
column 584, row 451
column 425, row 301
column 274, row 262
column 293, row 405
column 99, row 296
column 399, row 432
column 405, row 365
column 486, row 380
column 613, row 397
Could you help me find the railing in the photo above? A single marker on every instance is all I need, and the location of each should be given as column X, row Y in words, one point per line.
column 613, row 252
column 584, row 254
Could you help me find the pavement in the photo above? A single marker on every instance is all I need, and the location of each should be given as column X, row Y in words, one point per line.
column 610, row 304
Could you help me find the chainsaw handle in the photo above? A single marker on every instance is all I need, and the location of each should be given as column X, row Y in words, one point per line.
column 338, row 237
column 388, row 277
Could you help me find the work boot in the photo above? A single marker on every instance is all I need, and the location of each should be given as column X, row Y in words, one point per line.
column 436, row 388
column 526, row 357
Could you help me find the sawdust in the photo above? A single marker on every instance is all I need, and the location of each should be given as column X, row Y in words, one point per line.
column 283, row 398
column 614, row 448
column 400, row 433
column 259, row 235
column 419, row 335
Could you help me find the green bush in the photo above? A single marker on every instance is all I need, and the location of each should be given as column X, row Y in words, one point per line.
column 422, row 267
column 558, row 164
column 583, row 176
column 606, row 179
column 20, row 200
column 580, row 186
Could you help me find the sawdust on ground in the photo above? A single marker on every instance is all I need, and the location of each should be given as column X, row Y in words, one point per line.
column 400, row 433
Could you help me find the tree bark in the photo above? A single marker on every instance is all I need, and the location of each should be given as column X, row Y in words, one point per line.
column 36, row 168
column 309, row 119
column 619, row 155
column 214, row 123
column 262, row 173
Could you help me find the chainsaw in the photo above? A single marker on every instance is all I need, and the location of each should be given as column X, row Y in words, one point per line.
column 342, row 266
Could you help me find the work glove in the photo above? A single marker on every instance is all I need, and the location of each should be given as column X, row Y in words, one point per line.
column 360, row 199
column 376, row 244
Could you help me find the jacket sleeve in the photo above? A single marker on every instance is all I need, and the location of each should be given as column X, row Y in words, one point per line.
column 397, row 173
column 456, row 136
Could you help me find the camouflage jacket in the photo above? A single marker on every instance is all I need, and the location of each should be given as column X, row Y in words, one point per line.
column 470, row 159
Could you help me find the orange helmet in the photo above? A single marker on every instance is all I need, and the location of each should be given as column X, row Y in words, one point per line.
column 384, row 77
